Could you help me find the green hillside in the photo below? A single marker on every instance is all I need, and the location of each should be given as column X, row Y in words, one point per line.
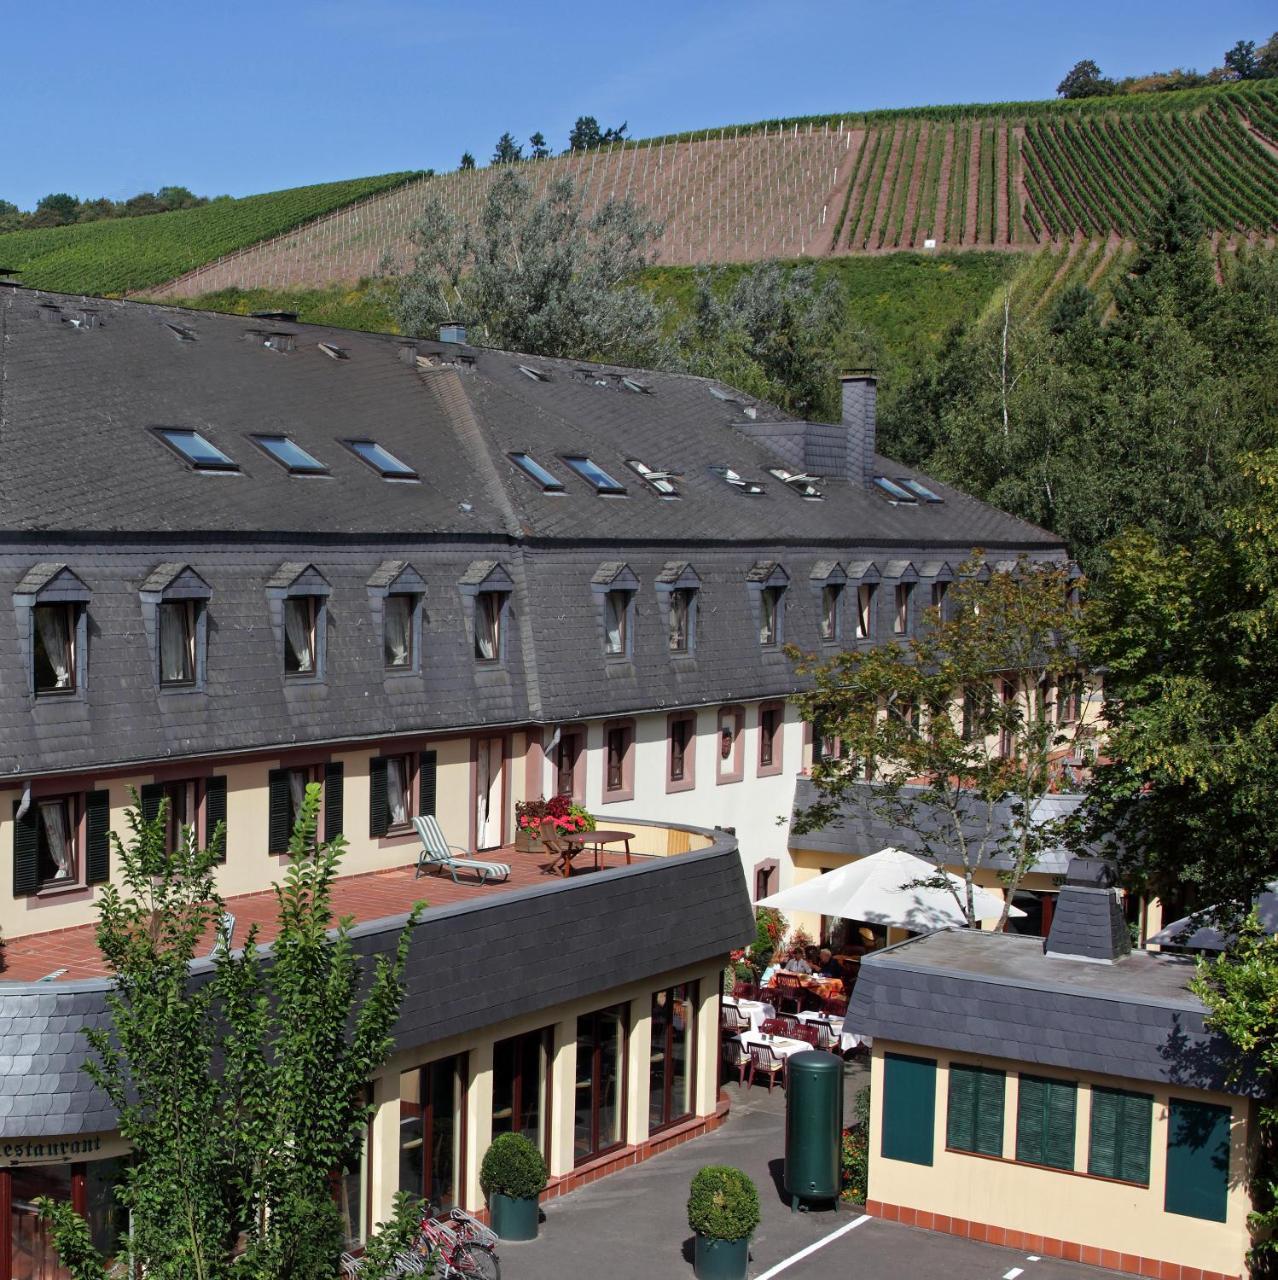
column 122, row 254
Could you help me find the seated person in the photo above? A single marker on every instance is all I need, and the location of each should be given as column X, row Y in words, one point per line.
column 765, row 979
column 796, row 963
column 829, row 966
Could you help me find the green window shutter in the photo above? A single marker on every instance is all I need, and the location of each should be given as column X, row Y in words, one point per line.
column 97, row 837
column 991, row 1086
column 278, row 805
column 960, row 1116
column 427, row 768
column 378, row 814
column 909, row 1108
column 151, row 798
column 1198, row 1160
column 333, row 783
column 26, row 850
column 1120, row 1135
column 215, row 810
column 1045, row 1112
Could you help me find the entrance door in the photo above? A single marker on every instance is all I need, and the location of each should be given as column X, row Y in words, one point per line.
column 488, row 793
column 33, row 1256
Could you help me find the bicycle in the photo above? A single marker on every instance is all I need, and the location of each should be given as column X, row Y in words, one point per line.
column 460, row 1247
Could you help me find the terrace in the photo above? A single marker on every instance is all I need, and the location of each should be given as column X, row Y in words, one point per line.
column 65, row 955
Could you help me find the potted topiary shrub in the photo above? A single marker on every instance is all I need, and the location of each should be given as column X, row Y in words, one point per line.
column 512, row 1175
column 723, row 1211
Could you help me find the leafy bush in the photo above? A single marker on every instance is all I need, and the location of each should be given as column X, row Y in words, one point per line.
column 854, row 1153
column 513, row 1167
column 723, row 1203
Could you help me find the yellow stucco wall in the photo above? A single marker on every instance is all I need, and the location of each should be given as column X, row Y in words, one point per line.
column 1071, row 1206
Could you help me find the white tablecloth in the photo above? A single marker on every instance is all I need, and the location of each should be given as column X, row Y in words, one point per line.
column 758, row 1011
column 847, row 1039
column 782, row 1046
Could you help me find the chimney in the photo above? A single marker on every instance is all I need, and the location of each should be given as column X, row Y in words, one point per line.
column 859, row 395
column 452, row 333
column 1088, row 923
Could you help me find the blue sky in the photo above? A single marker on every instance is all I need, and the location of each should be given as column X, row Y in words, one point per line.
column 238, row 97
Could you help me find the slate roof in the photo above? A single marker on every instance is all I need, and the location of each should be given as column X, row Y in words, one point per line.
column 860, row 832
column 386, row 573
column 470, row 966
column 999, row 995
column 38, row 576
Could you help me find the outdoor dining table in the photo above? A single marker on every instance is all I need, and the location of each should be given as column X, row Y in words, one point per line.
column 756, row 1011
column 579, row 840
column 782, row 1046
column 847, row 1039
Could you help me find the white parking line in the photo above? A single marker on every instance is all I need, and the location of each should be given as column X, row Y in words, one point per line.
column 1013, row 1273
column 812, row 1248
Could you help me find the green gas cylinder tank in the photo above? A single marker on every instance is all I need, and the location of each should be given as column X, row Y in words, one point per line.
column 813, row 1126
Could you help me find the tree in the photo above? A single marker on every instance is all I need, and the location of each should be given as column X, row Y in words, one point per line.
column 617, row 134
column 467, row 161
column 1267, row 57
column 10, row 216
column 507, row 150
column 1240, row 61
column 55, row 210
column 1084, row 80
column 1189, row 796
column 241, row 1092
column 771, row 330
column 585, row 134
column 537, row 148
column 537, row 275
column 1001, row 648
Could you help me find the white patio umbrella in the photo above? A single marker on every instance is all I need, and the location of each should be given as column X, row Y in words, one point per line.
column 876, row 889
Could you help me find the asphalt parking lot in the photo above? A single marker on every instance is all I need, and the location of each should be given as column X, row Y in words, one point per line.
column 632, row 1226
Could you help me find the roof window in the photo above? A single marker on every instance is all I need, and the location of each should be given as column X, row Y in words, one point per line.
column 537, row 375
column 631, row 384
column 661, row 481
column 536, row 472
column 720, row 394
column 803, row 485
column 290, row 455
column 195, row 449
column 385, row 463
column 919, row 489
column 738, row 481
column 894, row 490
column 595, row 475
column 181, row 332
column 333, row 351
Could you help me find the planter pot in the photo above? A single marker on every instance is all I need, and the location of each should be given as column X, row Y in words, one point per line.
column 526, row 842
column 514, row 1219
column 720, row 1259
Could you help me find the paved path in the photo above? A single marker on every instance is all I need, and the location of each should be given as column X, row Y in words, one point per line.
column 633, row 1225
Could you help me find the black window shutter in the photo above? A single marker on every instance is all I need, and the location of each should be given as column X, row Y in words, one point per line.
column 333, row 780
column 1059, row 1151
column 215, row 810
column 1103, row 1143
column 960, row 1124
column 152, row 796
column 26, row 850
column 988, row 1129
column 378, row 817
column 1135, row 1131
column 278, row 811
column 1031, row 1106
column 427, row 769
column 97, row 837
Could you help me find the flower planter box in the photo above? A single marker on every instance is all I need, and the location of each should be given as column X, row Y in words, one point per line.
column 526, row 842
column 514, row 1219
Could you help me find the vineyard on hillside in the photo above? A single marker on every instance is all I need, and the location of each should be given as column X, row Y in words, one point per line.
column 124, row 254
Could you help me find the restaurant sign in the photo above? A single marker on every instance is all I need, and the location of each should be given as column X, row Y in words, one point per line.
column 85, row 1146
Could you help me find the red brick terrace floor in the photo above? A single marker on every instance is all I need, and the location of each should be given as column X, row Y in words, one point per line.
column 370, row 896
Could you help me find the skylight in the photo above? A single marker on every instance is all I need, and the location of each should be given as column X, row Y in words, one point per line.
column 385, row 463
column 738, row 481
column 595, row 475
column 290, row 455
column 631, row 385
column 333, row 351
column 536, row 472
column 661, row 481
column 804, row 485
column 720, row 394
column 894, row 490
column 199, row 452
column 537, row 375
column 919, row 489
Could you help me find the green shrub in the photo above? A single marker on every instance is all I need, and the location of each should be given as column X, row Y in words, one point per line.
column 854, row 1153
column 723, row 1203
column 513, row 1167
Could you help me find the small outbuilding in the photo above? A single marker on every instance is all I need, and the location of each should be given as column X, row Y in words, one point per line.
column 1061, row 1096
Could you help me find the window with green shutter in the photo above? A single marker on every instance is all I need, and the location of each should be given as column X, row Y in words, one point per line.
column 909, row 1108
column 974, row 1115
column 1045, row 1110
column 1119, row 1138
column 1197, row 1160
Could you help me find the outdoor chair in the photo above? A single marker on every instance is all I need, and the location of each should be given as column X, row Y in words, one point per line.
column 834, row 1006
column 826, row 1036
column 223, row 933
column 745, row 990
column 736, row 1058
column 788, row 996
column 764, row 1062
column 772, row 1027
column 805, row 1031
column 438, row 855
column 732, row 1020
column 563, row 849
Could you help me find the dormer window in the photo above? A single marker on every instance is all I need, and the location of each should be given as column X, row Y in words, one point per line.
column 831, row 608
column 614, row 586
column 487, row 588
column 678, row 588
column 174, row 601
column 55, row 648
column 901, row 620
column 299, row 596
column 51, row 604
column 767, row 581
column 617, row 623
column 680, row 619
column 865, row 598
column 488, row 625
column 397, row 632
column 177, row 641
column 770, row 601
column 300, row 617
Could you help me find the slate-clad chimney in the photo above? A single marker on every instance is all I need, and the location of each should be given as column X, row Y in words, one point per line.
column 1088, row 923
column 860, row 392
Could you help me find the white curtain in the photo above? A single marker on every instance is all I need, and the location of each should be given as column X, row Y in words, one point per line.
column 615, row 621
column 396, row 793
column 768, row 622
column 678, row 621
column 297, row 789
column 830, row 604
column 864, row 599
column 51, row 622
column 175, row 643
column 297, row 627
column 398, row 618
column 53, row 815
column 487, row 616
